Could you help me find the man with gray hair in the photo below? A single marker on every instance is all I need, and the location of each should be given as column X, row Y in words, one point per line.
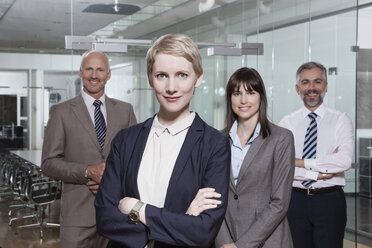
column 324, row 144
column 76, row 143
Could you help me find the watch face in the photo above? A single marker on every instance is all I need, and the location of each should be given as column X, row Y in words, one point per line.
column 133, row 217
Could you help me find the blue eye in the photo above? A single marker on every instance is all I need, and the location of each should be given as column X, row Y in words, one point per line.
column 160, row 76
column 183, row 75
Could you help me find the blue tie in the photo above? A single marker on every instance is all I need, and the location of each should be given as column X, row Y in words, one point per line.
column 99, row 123
column 310, row 143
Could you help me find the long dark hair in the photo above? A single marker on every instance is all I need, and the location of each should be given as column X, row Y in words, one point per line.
column 251, row 80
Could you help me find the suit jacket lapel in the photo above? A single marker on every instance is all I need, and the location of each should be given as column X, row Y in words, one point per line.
column 232, row 184
column 111, row 121
column 135, row 161
column 249, row 157
column 193, row 135
column 80, row 110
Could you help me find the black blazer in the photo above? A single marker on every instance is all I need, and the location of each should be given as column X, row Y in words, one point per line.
column 204, row 161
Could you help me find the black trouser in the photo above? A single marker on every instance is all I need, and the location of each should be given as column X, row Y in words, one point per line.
column 317, row 221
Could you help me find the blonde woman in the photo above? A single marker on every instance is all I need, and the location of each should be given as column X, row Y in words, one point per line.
column 156, row 168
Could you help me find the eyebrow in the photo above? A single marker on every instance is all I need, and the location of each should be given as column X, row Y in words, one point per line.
column 316, row 79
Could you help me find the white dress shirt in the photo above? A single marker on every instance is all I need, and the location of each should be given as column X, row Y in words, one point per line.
column 159, row 157
column 88, row 100
column 335, row 132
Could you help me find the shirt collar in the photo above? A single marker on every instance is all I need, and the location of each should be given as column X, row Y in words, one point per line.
column 319, row 111
column 89, row 100
column 175, row 128
column 234, row 134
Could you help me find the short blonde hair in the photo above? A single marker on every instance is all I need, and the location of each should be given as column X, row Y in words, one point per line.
column 177, row 45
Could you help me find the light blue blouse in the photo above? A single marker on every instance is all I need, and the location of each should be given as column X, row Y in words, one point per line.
column 237, row 151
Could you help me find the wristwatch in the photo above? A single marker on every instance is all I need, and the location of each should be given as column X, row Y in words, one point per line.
column 134, row 213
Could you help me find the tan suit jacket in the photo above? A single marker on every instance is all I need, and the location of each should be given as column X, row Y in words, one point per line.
column 258, row 203
column 70, row 145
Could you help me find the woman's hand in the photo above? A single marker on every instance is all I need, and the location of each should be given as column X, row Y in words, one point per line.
column 204, row 199
column 126, row 204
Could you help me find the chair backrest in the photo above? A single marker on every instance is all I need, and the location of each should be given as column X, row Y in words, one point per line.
column 44, row 191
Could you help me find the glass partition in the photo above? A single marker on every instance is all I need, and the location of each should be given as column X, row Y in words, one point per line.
column 364, row 125
column 291, row 31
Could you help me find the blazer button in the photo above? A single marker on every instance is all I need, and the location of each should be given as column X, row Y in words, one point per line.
column 236, row 197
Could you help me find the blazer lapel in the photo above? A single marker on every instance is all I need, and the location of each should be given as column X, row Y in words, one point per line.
column 193, row 135
column 249, row 157
column 137, row 153
column 80, row 110
column 111, row 121
column 232, row 184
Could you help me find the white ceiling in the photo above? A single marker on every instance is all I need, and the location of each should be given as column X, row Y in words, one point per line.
column 41, row 25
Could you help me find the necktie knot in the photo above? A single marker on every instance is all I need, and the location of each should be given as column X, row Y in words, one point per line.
column 312, row 116
column 97, row 103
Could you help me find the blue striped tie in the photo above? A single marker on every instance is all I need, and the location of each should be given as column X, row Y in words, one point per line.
column 310, row 143
column 99, row 123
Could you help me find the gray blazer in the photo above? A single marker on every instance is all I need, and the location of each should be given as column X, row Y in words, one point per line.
column 258, row 203
column 70, row 145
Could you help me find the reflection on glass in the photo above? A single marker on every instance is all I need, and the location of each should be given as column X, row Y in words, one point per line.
column 8, row 109
column 24, row 105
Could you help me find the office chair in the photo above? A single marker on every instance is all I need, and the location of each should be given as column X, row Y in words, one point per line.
column 42, row 192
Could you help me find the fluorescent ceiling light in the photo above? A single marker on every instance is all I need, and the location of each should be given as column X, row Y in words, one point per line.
column 5, row 6
column 104, row 45
column 121, row 46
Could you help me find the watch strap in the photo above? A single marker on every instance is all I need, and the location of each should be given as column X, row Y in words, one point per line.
column 138, row 206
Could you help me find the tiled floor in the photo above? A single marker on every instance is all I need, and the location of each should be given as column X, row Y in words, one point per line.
column 12, row 237
column 360, row 217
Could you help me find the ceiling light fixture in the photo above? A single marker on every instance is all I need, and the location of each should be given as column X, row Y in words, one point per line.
column 205, row 6
column 154, row 9
column 245, row 49
column 116, row 7
column 121, row 45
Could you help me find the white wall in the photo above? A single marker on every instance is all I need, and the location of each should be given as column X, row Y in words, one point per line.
column 48, row 62
column 13, row 79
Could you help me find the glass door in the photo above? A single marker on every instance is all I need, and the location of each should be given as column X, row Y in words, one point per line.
column 363, row 199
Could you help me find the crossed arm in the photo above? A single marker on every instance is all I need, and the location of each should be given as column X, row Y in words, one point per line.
column 300, row 163
column 55, row 165
column 197, row 226
column 337, row 161
column 205, row 199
